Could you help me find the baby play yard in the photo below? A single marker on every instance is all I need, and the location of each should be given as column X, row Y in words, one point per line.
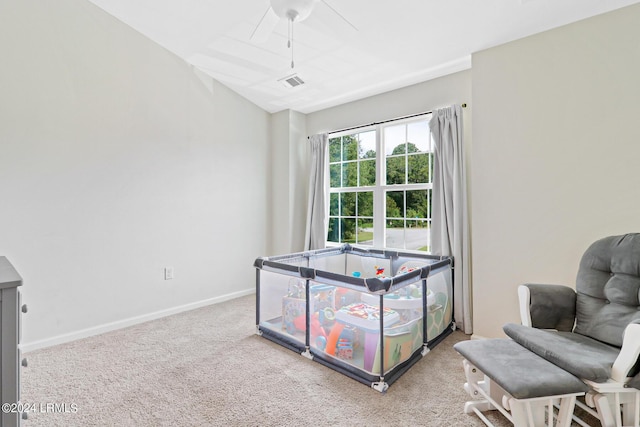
column 369, row 314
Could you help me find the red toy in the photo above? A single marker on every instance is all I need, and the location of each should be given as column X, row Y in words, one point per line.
column 316, row 328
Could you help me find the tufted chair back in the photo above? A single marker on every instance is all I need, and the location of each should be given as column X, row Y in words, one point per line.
column 608, row 288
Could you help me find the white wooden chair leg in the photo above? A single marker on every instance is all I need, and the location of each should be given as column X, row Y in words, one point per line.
column 529, row 413
column 631, row 409
column 565, row 413
column 617, row 409
column 605, row 410
column 519, row 413
column 473, row 375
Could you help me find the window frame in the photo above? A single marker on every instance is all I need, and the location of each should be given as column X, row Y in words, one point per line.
column 381, row 187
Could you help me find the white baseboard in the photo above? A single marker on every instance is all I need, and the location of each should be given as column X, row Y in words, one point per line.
column 478, row 337
column 119, row 324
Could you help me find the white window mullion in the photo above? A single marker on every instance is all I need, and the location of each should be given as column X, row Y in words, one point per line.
column 404, row 221
column 406, row 154
column 379, row 205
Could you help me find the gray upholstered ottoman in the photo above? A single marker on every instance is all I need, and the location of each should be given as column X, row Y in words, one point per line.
column 524, row 387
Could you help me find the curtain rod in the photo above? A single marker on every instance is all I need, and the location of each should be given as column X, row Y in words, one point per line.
column 386, row 121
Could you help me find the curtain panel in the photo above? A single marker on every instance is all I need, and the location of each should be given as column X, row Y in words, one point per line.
column 450, row 224
column 318, row 206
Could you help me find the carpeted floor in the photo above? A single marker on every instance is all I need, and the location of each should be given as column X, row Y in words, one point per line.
column 207, row 367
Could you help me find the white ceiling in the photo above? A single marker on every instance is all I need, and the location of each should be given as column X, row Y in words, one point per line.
column 397, row 43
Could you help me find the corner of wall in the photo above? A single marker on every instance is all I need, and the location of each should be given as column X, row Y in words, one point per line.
column 288, row 166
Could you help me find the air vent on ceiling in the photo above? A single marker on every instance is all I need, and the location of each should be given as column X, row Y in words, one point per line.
column 291, row 81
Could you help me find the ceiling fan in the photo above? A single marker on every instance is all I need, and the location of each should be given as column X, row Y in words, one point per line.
column 292, row 11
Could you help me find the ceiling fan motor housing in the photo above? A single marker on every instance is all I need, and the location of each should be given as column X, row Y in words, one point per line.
column 293, row 10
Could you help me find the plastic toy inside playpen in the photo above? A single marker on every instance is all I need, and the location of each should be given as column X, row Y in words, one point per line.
column 345, row 323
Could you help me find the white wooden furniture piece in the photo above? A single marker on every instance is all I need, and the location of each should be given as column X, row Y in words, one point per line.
column 10, row 356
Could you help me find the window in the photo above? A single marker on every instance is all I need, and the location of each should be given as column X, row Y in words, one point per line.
column 380, row 185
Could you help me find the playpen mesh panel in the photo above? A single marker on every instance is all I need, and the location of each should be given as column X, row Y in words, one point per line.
column 321, row 301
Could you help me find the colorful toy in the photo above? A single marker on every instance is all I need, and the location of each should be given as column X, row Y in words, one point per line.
column 345, row 349
column 322, row 300
column 321, row 296
column 292, row 308
column 346, row 344
column 367, row 318
column 332, row 340
column 405, row 269
column 326, row 316
column 345, row 297
column 321, row 343
column 296, row 289
column 316, row 328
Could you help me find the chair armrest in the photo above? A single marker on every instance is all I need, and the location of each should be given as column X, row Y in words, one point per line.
column 547, row 306
column 628, row 359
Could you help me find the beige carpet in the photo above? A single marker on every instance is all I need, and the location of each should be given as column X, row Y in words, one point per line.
column 207, row 367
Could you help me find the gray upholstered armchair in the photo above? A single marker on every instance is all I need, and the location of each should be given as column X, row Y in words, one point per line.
column 594, row 331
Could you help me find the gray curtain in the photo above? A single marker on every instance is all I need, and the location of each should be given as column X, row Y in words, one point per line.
column 318, row 206
column 450, row 225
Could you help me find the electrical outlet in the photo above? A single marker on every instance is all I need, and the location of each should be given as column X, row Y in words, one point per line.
column 168, row 273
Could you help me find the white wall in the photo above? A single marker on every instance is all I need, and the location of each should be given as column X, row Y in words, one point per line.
column 279, row 229
column 299, row 164
column 289, row 165
column 555, row 156
column 116, row 160
column 440, row 92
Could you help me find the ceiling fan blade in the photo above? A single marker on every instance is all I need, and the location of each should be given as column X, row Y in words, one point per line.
column 265, row 27
column 340, row 15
